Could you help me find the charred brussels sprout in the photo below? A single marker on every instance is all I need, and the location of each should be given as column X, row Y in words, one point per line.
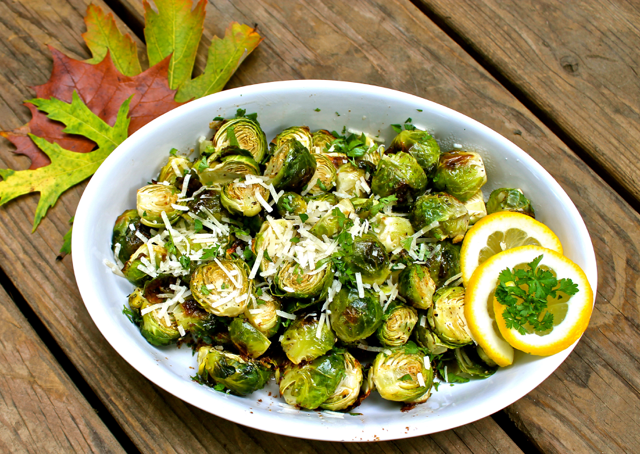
column 354, row 318
column 175, row 168
column 291, row 281
column 193, row 318
column 229, row 168
column 207, row 204
column 443, row 260
column 333, row 222
column 321, row 140
column 243, row 133
column 222, row 287
column 294, row 133
column 156, row 329
column 348, row 390
column 427, row 339
column 240, row 375
column 247, row 338
column 460, row 173
column 399, row 174
column 348, row 180
column 370, row 258
column 291, row 166
column 136, row 299
column 309, row 385
column 243, row 198
column 338, row 159
column 446, row 317
column 324, row 179
column 399, row 321
column 304, row 340
column 401, row 375
column 476, row 207
column 150, row 260
column 291, row 203
column 442, row 214
column 155, row 199
column 507, row 199
column 329, row 198
column 125, row 236
column 391, row 230
column 419, row 144
column 416, row 286
column 263, row 314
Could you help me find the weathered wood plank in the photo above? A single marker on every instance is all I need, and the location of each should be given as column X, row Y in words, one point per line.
column 592, row 402
column 41, row 410
column 577, row 61
column 155, row 420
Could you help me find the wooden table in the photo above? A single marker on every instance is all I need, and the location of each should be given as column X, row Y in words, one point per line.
column 560, row 79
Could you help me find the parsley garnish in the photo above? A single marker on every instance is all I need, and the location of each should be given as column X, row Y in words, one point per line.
column 524, row 292
column 173, row 152
column 211, row 253
column 133, row 316
column 258, row 291
column 382, row 202
column 204, row 290
column 295, row 239
column 337, row 114
column 231, row 136
column 266, row 256
column 419, row 110
column 353, row 146
column 202, row 164
column 304, row 217
column 406, row 243
column 243, row 113
column 317, row 109
column 406, row 377
column 224, row 286
column 218, row 119
column 219, row 387
column 198, row 225
column 185, row 262
column 397, row 128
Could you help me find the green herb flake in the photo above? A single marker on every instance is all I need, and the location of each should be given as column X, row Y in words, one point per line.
column 295, row 239
column 231, row 137
column 337, row 114
column 304, row 217
column 173, row 152
column 218, row 119
column 397, row 128
column 406, row 377
column 419, row 110
column 185, row 262
column 198, row 225
column 204, row 290
column 317, row 109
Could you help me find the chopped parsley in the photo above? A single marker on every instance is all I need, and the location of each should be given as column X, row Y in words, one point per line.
column 204, row 290
column 317, row 109
column 198, row 225
column 185, row 262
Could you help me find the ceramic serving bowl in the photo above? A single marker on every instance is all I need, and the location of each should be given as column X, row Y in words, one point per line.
column 315, row 103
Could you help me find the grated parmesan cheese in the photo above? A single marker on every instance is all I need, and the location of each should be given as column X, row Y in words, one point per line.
column 262, row 201
column 420, row 379
column 427, row 362
column 286, row 315
column 359, row 284
column 452, row 278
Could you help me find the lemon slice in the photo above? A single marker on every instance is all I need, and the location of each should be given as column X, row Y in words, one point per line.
column 498, row 232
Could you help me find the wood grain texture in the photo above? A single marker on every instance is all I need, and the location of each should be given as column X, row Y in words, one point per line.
column 577, row 61
column 155, row 420
column 41, row 410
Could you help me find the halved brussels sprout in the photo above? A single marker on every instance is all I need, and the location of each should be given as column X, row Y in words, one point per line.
column 328, row 197
column 446, row 317
column 449, row 212
column 396, row 375
column 484, row 357
column 291, row 203
column 291, row 281
column 476, row 208
column 300, row 341
column 294, row 133
column 154, row 199
column 416, row 286
column 207, row 204
column 321, row 140
column 399, row 174
column 508, row 199
column 348, row 180
column 291, row 166
column 460, row 173
column 267, row 240
column 391, row 230
column 399, row 321
column 158, row 331
column 332, row 223
column 263, row 314
column 324, row 179
column 310, row 384
column 427, row 339
column 419, row 144
column 222, row 287
column 194, row 319
column 242, row 198
column 243, row 133
column 471, row 364
column 174, row 169
column 371, row 158
column 348, row 390
column 247, row 338
column 229, row 168
column 338, row 159
column 142, row 258
column 125, row 236
column 443, row 260
column 369, row 258
column 240, row 375
column 354, row 318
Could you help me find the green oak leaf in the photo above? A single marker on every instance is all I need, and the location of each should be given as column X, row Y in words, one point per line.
column 67, row 168
column 66, row 245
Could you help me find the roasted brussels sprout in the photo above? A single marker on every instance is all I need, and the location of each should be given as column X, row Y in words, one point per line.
column 240, row 375
column 332, row 223
column 399, row 174
column 321, row 140
column 294, row 133
column 243, row 133
column 207, row 204
column 349, row 180
column 507, row 199
column 175, row 168
column 158, row 330
column 476, row 208
column 308, row 385
column 291, row 281
column 401, row 376
column 228, row 169
column 419, row 144
column 143, row 258
column 263, row 314
column 248, row 340
column 443, row 260
column 155, row 199
column 369, row 258
column 338, row 159
column 426, row 338
column 391, row 230
column 125, row 236
column 324, row 179
column 399, row 321
column 304, row 340
column 291, row 203
column 416, row 286
column 243, row 198
column 443, row 214
column 348, row 390
column 353, row 317
column 484, row 357
column 371, row 158
column 327, row 197
column 291, row 166
column 446, row 317
column 460, row 173
column 194, row 319
column 222, row 287
column 136, row 299
column 471, row 364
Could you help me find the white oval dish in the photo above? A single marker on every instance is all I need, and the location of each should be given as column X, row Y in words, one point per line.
column 281, row 104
